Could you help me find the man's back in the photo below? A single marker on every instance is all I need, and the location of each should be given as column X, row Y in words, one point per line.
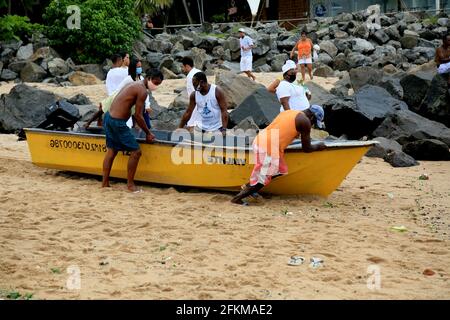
column 126, row 99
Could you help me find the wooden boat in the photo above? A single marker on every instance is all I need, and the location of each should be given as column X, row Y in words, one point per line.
column 198, row 164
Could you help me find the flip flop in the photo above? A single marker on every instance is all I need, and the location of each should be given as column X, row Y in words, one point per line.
column 296, row 261
column 137, row 191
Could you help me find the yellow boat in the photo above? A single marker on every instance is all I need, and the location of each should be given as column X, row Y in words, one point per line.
column 198, row 164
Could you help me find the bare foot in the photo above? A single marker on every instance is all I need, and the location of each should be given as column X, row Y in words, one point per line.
column 134, row 189
column 106, row 185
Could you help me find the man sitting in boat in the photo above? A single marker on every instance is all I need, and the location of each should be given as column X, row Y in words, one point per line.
column 269, row 146
column 211, row 106
column 118, row 135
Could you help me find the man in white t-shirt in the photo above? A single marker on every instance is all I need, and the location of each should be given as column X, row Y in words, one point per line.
column 116, row 75
column 188, row 69
column 291, row 95
column 247, row 45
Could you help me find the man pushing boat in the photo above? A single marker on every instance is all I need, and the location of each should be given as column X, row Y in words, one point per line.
column 270, row 144
column 118, row 135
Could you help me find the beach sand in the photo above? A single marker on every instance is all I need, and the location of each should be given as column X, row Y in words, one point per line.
column 168, row 243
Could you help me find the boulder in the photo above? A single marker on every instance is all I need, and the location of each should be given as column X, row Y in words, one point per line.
column 325, row 59
column 32, row 73
column 427, row 149
column 25, row 52
column 236, row 88
column 362, row 46
column 436, row 104
column 95, row 69
column 154, row 58
column 168, row 75
column 160, row 46
column 230, row 66
column 263, row 68
column 86, row 111
column 329, row 48
column 383, row 147
column 360, row 115
column 44, row 53
column 405, row 126
column 246, row 127
column 341, row 63
column 24, row 107
column 323, row 71
column 181, row 101
column 393, row 86
column 361, row 76
column 319, row 95
column 7, row 75
column 399, row 159
column 80, row 78
column 361, row 31
column 17, row 66
column 278, row 61
column 416, row 84
column 166, row 62
column 261, row 105
column 409, row 42
column 200, row 58
column 6, row 55
column 79, row 99
column 355, row 60
column 233, row 44
column 381, row 36
column 57, row 67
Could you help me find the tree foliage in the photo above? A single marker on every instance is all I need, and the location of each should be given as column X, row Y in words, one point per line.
column 107, row 27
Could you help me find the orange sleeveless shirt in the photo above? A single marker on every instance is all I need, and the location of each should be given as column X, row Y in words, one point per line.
column 279, row 134
column 304, row 49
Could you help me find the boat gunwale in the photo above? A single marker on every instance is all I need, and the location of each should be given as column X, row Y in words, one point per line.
column 333, row 144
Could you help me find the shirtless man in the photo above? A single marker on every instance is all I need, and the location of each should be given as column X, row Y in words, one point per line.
column 443, row 57
column 118, row 136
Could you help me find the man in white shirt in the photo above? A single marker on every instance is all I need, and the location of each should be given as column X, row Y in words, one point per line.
column 188, row 69
column 211, row 105
column 116, row 75
column 291, row 95
column 247, row 45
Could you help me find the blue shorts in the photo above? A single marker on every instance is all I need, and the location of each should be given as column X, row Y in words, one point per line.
column 118, row 135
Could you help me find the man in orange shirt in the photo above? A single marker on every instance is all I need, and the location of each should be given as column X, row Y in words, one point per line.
column 304, row 47
column 270, row 144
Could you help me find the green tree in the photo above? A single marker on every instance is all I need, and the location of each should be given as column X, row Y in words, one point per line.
column 107, row 27
column 151, row 7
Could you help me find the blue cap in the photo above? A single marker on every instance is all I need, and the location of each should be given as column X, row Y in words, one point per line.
column 319, row 115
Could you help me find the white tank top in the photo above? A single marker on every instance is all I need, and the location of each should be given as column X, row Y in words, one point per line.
column 208, row 110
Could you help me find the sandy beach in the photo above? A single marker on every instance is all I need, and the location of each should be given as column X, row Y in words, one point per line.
column 169, row 243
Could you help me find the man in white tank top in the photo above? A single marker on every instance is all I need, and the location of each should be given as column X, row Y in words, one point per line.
column 211, row 106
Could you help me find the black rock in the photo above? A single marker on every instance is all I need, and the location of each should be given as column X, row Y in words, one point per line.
column 415, row 87
column 406, row 126
column 360, row 115
column 436, row 104
column 362, row 76
column 261, row 105
column 80, row 99
column 399, row 159
column 427, row 149
column 383, row 147
column 24, row 107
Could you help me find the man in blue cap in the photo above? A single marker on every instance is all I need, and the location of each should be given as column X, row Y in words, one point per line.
column 270, row 144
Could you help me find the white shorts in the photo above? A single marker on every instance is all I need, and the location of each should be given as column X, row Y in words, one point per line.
column 444, row 68
column 305, row 61
column 246, row 63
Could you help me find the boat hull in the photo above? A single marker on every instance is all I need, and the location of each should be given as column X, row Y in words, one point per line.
column 317, row 173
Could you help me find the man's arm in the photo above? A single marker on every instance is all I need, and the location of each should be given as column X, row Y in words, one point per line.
column 220, row 96
column 303, row 125
column 187, row 115
column 273, row 86
column 285, row 103
column 138, row 114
